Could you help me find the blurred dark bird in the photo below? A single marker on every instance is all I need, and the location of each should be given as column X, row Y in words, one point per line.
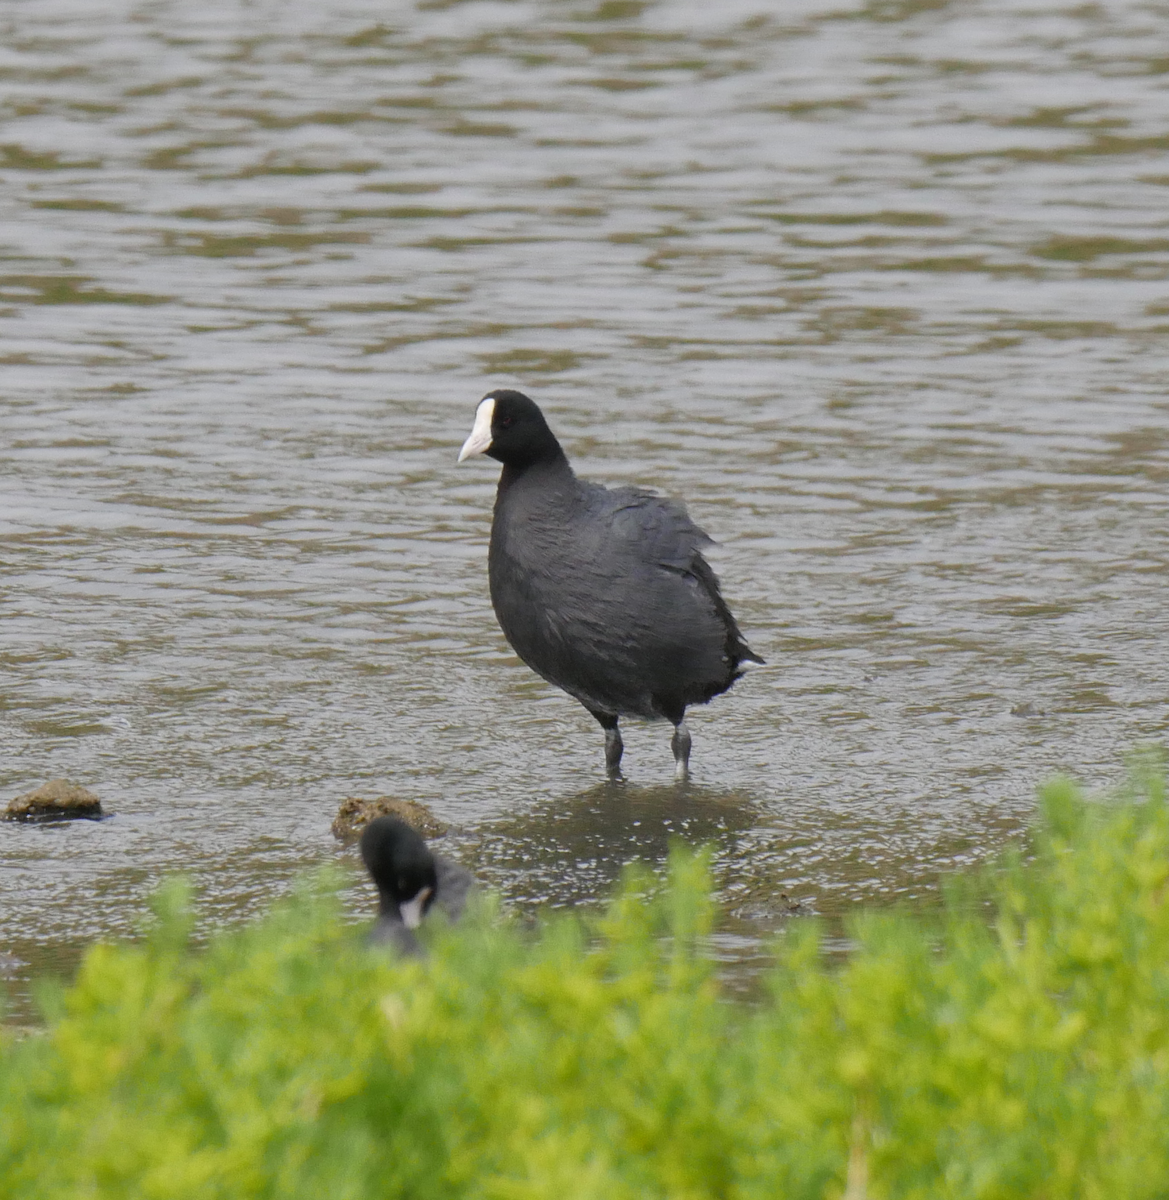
column 604, row 593
column 410, row 882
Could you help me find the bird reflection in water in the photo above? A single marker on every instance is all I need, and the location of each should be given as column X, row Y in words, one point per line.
column 571, row 850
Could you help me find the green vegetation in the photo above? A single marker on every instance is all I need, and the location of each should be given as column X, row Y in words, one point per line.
column 1015, row 1046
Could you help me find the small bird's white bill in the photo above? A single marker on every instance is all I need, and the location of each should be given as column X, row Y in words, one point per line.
column 411, row 910
column 480, row 438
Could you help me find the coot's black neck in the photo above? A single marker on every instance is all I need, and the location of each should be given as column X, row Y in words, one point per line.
column 547, row 470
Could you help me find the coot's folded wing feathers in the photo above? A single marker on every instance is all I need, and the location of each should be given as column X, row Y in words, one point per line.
column 659, row 530
column 664, row 534
column 455, row 884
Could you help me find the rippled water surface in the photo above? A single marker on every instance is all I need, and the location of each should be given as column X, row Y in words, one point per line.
column 881, row 289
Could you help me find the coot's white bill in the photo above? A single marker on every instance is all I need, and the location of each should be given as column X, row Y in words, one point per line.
column 480, row 439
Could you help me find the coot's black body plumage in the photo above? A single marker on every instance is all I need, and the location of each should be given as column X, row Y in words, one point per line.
column 604, row 592
column 410, row 882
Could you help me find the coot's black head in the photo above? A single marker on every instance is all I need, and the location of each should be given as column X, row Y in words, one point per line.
column 402, row 868
column 511, row 428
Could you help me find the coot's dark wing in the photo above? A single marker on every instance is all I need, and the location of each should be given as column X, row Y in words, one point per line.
column 455, row 883
column 658, row 530
column 661, row 532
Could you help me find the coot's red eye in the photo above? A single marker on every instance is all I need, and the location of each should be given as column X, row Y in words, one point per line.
column 506, row 422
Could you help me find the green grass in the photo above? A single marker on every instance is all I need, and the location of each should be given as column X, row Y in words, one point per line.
column 1017, row 1045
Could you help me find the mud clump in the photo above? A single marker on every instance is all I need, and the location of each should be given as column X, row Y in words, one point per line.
column 356, row 813
column 57, row 800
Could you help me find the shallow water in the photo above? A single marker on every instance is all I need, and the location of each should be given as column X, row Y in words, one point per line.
column 881, row 289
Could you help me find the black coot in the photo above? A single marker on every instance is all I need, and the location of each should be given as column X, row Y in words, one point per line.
column 410, row 881
column 604, row 593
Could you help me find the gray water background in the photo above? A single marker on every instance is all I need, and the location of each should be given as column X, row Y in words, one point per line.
column 881, row 289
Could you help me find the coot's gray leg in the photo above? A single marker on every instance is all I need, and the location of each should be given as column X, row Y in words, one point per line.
column 680, row 744
column 614, row 746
